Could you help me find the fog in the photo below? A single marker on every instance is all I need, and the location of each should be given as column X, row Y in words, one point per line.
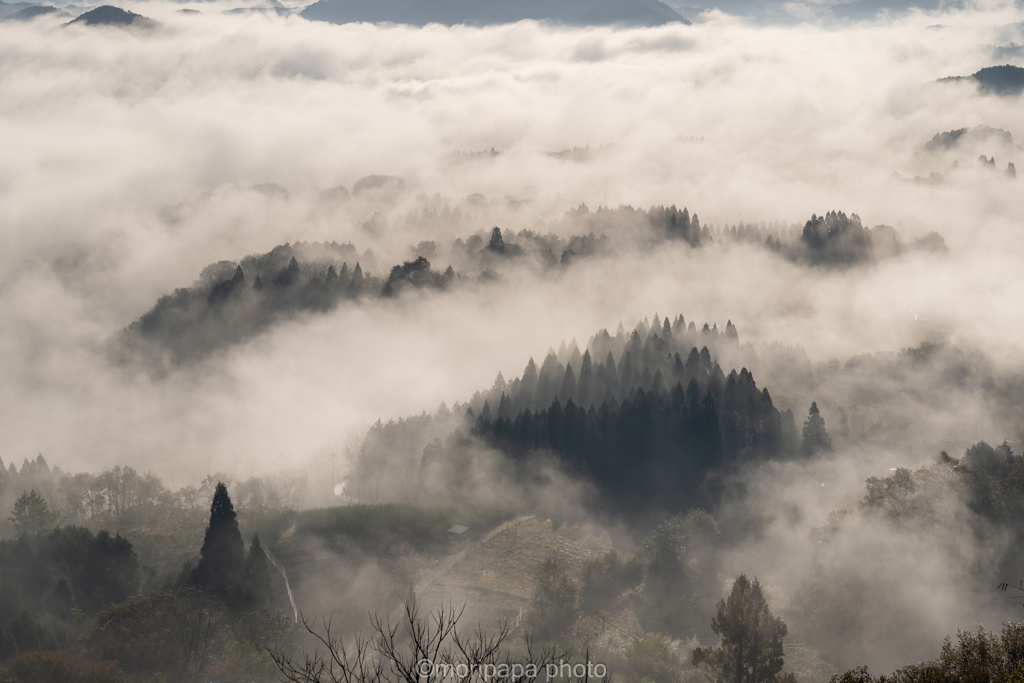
column 129, row 155
column 132, row 159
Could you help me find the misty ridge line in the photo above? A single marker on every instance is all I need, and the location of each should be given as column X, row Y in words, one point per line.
column 235, row 301
column 559, row 15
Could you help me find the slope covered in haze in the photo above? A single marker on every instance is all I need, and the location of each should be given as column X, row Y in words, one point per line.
column 234, row 301
column 650, row 419
column 9, row 8
column 35, row 11
column 1006, row 80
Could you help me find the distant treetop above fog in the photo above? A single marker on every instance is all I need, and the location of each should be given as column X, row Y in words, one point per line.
column 832, row 239
column 961, row 137
column 487, row 12
column 982, row 152
column 1006, row 80
column 234, row 301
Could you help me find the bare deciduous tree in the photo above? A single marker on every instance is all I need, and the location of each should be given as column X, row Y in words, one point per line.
column 418, row 649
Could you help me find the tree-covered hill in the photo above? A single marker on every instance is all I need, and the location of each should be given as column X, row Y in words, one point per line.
column 650, row 419
column 234, row 301
column 108, row 15
column 1005, row 80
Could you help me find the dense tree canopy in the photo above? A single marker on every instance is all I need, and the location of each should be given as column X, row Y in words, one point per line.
column 48, row 578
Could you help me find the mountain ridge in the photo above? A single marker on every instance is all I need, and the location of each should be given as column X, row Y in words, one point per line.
column 490, row 12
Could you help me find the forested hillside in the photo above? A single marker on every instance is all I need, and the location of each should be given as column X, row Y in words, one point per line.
column 234, row 301
column 653, row 426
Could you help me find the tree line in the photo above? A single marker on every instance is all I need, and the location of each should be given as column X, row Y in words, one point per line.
column 234, row 301
column 74, row 599
column 655, row 424
column 121, row 496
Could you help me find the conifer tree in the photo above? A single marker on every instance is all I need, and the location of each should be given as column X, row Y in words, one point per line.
column 751, row 649
column 221, row 562
column 528, row 385
column 356, row 284
column 586, row 383
column 568, row 390
column 816, row 438
column 790, row 435
column 257, row 573
column 497, row 243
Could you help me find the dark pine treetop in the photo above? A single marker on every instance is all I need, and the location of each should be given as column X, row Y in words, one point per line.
column 816, row 438
column 223, row 553
column 751, row 650
column 257, row 575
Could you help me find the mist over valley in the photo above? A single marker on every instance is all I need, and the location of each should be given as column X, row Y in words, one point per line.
column 346, row 337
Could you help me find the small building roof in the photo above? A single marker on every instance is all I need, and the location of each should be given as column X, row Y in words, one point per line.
column 458, row 529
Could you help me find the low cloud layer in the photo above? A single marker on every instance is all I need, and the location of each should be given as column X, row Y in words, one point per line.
column 131, row 157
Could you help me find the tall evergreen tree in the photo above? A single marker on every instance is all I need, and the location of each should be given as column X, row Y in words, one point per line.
column 816, row 438
column 568, row 390
column 751, row 648
column 257, row 573
column 528, row 385
column 356, row 283
column 790, row 435
column 497, row 243
column 586, row 383
column 222, row 556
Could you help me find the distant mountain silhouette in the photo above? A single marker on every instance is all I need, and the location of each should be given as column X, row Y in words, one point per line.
column 489, row 12
column 108, row 15
column 1001, row 80
column 9, row 8
column 30, row 13
column 1006, row 80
